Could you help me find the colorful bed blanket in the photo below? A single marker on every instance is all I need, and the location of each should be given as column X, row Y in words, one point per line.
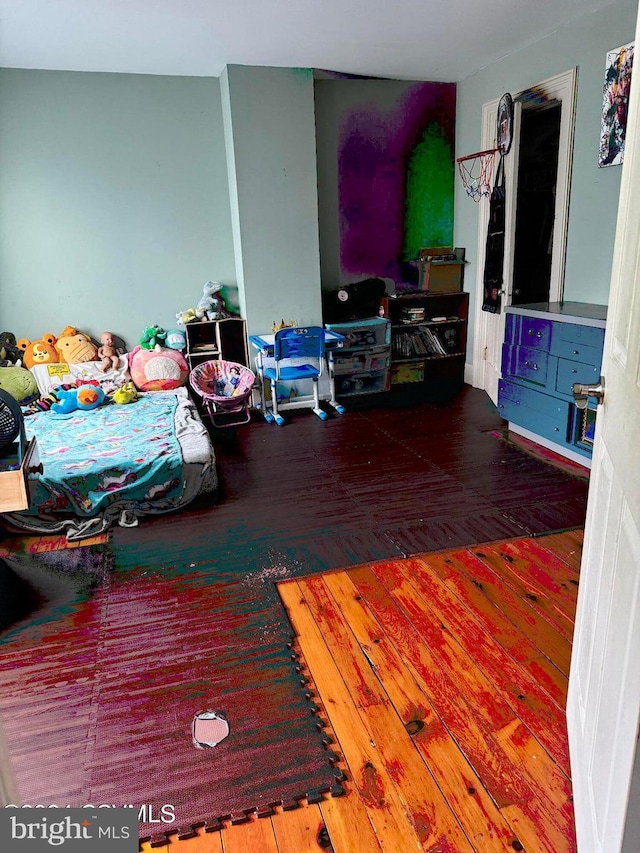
column 114, row 456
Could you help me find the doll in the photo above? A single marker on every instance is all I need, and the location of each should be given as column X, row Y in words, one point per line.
column 107, row 353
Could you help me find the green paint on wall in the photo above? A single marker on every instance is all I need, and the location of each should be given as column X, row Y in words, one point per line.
column 428, row 217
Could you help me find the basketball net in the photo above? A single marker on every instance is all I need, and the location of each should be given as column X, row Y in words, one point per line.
column 476, row 171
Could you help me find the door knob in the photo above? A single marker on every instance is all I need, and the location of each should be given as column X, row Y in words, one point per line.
column 581, row 393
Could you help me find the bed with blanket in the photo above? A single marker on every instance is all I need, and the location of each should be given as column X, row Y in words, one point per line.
column 116, row 463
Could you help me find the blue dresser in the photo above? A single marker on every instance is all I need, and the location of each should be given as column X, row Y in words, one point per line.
column 547, row 348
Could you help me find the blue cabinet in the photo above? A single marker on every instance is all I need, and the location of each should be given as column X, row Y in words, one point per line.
column 543, row 355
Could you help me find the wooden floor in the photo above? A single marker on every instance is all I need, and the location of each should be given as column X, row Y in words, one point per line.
column 443, row 678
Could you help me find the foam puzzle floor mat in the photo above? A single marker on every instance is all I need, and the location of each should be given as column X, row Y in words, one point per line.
column 115, row 695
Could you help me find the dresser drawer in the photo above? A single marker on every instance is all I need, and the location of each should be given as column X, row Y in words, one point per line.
column 576, row 351
column 573, row 333
column 519, row 395
column 535, row 333
column 526, row 363
column 534, row 411
column 572, row 371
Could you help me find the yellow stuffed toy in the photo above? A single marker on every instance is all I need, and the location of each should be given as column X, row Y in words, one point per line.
column 125, row 394
column 74, row 347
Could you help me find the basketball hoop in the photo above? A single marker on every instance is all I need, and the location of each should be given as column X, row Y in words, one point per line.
column 476, row 171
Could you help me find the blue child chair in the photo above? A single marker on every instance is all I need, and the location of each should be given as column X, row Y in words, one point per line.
column 298, row 354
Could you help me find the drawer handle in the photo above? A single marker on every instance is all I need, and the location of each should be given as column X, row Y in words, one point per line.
column 36, row 469
column 576, row 352
column 532, row 332
column 532, row 365
column 573, row 370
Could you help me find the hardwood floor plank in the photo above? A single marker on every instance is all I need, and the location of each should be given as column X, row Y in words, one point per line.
column 435, row 821
column 499, row 671
column 347, row 818
column 503, row 776
column 365, row 688
column 481, row 749
column 295, row 831
column 465, row 793
column 517, row 608
column 256, row 834
column 389, row 815
column 203, row 842
column 547, row 779
column 567, row 546
column 553, row 577
column 494, row 622
column 535, row 841
column 524, row 588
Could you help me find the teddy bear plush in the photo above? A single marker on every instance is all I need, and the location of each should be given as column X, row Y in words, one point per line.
column 38, row 352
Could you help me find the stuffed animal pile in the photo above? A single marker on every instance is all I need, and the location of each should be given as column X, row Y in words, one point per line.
column 71, row 347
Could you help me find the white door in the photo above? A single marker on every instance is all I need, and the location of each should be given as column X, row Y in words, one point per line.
column 489, row 328
column 603, row 705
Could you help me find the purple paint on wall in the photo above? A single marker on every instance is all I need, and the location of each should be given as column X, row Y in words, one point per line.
column 374, row 147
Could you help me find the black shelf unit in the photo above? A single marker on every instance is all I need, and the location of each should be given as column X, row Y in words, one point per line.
column 212, row 340
column 428, row 344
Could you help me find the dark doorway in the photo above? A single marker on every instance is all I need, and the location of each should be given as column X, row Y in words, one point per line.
column 535, row 210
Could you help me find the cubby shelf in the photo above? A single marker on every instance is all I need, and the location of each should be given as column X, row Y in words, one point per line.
column 427, row 354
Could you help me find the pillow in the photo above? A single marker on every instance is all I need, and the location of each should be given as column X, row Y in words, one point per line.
column 159, row 369
column 50, row 376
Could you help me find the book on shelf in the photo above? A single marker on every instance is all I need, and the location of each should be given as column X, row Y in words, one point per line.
column 418, row 342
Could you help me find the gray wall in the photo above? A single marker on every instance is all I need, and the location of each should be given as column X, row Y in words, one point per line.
column 114, row 200
column 594, row 192
column 271, row 151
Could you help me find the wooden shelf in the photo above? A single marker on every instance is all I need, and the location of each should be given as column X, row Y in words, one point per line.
column 438, row 375
column 211, row 340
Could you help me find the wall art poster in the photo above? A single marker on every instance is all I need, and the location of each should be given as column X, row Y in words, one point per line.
column 617, row 85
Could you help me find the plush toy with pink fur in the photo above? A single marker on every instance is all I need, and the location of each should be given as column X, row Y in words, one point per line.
column 159, row 369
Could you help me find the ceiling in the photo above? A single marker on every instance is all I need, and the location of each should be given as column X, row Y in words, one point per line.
column 404, row 39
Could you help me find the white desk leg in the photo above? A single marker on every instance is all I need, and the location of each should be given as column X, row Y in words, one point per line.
column 332, row 385
column 268, row 416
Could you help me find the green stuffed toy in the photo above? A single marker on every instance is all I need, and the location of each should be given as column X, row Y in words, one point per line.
column 153, row 336
column 20, row 383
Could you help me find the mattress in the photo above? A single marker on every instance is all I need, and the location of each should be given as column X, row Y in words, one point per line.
column 116, row 464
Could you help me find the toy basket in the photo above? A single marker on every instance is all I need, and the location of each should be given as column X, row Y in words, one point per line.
column 225, row 389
